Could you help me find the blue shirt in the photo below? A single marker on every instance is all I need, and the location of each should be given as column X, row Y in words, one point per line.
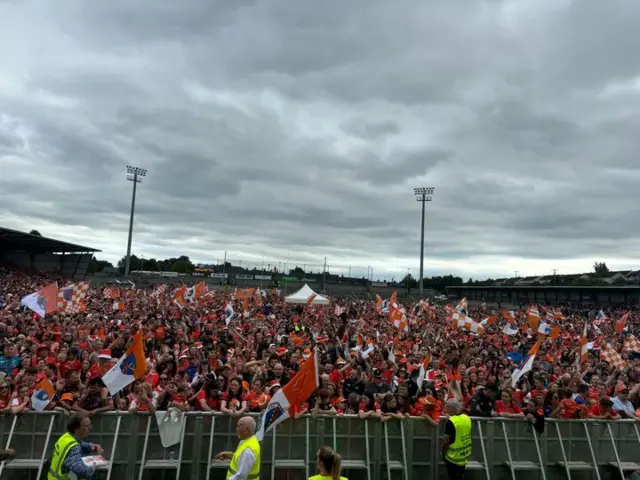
column 9, row 364
column 74, row 464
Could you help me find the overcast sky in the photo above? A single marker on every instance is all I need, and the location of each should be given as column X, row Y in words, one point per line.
column 283, row 129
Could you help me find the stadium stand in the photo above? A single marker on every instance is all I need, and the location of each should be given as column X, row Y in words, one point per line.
column 36, row 252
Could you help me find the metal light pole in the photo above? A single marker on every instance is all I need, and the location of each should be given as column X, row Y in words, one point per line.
column 423, row 195
column 133, row 175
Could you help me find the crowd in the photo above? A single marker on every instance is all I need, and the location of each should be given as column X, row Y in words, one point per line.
column 198, row 360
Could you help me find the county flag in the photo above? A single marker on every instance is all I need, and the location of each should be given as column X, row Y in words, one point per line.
column 509, row 329
column 285, row 400
column 42, row 395
column 424, row 368
column 621, row 323
column 549, row 331
column 228, row 313
column 583, row 354
column 43, row 301
column 526, row 364
column 72, row 297
column 132, row 365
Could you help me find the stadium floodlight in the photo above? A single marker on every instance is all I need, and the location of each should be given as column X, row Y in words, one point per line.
column 134, row 175
column 424, row 195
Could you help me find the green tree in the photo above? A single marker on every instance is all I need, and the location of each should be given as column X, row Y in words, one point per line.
column 409, row 282
column 297, row 272
column 96, row 265
column 600, row 269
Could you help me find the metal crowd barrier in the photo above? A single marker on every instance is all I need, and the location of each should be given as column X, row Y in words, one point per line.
column 371, row 450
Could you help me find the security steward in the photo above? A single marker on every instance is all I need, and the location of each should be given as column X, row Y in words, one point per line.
column 68, row 451
column 245, row 461
column 456, row 444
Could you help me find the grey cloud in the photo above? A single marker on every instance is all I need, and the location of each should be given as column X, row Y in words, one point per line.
column 270, row 127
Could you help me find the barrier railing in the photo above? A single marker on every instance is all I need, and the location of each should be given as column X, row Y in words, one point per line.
column 371, row 450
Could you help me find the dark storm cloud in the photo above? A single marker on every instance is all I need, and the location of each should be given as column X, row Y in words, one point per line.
column 300, row 129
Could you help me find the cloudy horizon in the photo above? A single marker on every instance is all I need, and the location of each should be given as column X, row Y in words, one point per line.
column 295, row 131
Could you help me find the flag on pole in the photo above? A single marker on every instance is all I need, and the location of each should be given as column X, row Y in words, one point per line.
column 42, row 395
column 533, row 317
column 132, row 365
column 526, row 364
column 43, row 301
column 228, row 313
column 489, row 321
column 509, row 329
column 298, row 390
column 583, row 356
column 621, row 323
column 424, row 367
column 549, row 331
column 632, row 344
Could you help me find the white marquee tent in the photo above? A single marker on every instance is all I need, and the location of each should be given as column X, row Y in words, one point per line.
column 303, row 295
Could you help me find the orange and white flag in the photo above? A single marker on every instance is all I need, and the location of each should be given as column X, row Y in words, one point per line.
column 178, row 295
column 632, row 344
column 468, row 324
column 424, row 368
column 489, row 321
column 526, row 364
column 118, row 305
column 548, row 330
column 72, row 297
column 132, row 365
column 583, row 354
column 378, row 303
column 283, row 403
column 509, row 329
column 42, row 395
column 192, row 294
column 621, row 323
column 111, row 293
column 533, row 317
column 43, row 301
column 398, row 318
column 612, row 357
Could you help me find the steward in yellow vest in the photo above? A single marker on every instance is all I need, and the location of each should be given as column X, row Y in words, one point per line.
column 245, row 461
column 329, row 464
column 67, row 453
column 456, row 445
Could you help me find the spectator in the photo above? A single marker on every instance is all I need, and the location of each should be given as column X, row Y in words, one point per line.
column 482, row 401
column 621, row 403
column 506, row 407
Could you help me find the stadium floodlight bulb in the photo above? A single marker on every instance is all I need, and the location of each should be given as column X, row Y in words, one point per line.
column 423, row 191
column 140, row 172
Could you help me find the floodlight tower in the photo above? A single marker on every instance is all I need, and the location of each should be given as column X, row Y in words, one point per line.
column 134, row 175
column 424, row 195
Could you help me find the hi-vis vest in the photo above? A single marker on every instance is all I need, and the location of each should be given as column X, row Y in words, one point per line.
column 254, row 445
column 63, row 446
column 460, row 450
column 324, row 477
